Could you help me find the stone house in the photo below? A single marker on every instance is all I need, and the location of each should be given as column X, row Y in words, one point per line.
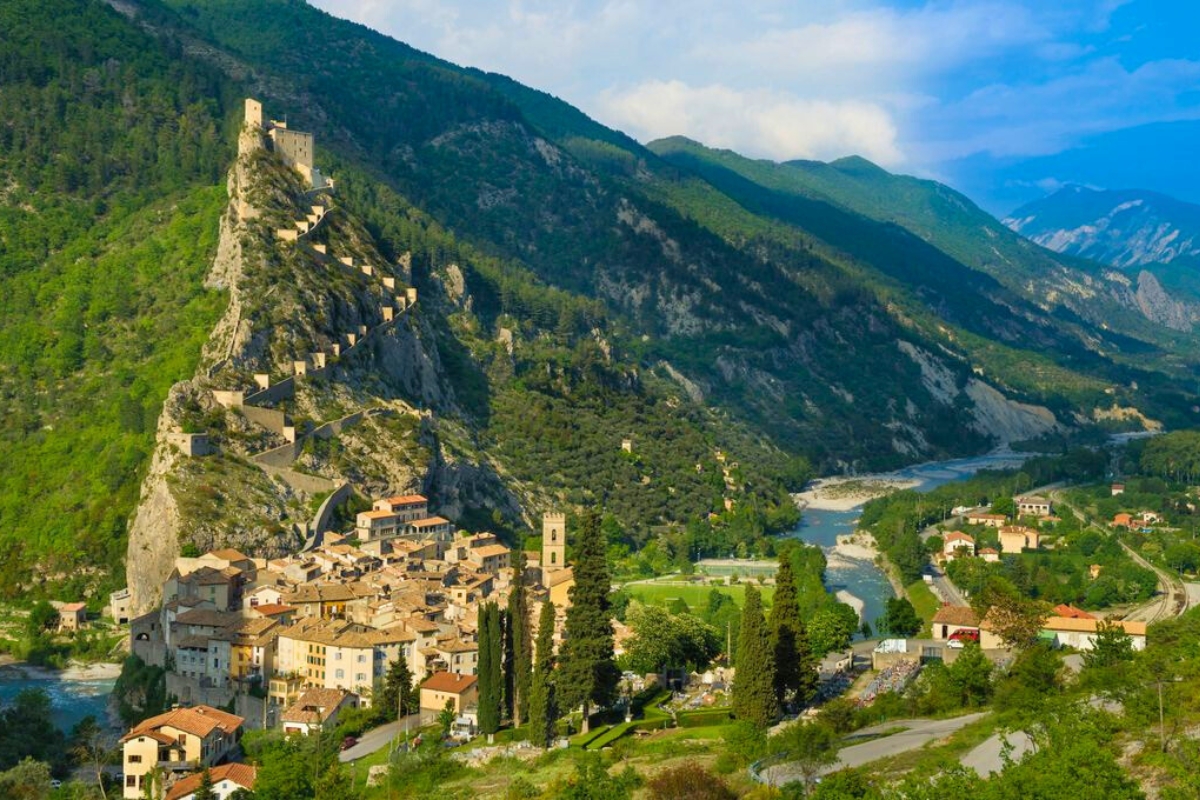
column 950, row 619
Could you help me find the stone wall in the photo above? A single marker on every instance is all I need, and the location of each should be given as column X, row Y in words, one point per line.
column 269, row 418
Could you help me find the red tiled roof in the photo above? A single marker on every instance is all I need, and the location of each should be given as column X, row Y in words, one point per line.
column 1071, row 612
column 199, row 720
column 241, row 774
column 450, row 682
column 956, row 615
column 407, row 498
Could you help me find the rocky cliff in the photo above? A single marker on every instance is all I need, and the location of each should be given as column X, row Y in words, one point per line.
column 321, row 372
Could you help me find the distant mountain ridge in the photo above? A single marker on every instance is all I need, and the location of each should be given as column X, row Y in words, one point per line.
column 1123, row 228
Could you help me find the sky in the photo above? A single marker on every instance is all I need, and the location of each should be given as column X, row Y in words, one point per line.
column 948, row 89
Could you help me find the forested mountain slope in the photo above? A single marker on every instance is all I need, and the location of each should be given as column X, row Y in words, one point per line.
column 576, row 289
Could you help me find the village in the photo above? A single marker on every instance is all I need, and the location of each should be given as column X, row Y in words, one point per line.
column 291, row 642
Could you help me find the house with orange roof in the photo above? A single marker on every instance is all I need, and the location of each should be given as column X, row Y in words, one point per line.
column 1071, row 612
column 442, row 687
column 986, row 519
column 317, row 710
column 990, row 555
column 227, row 780
column 72, row 616
column 958, row 544
column 950, row 619
column 408, row 507
column 1122, row 520
column 182, row 739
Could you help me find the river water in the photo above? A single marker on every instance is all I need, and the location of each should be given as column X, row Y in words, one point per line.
column 70, row 699
column 863, row 578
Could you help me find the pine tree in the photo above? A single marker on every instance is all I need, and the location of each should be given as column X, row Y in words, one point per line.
column 490, row 681
column 520, row 658
column 543, row 712
column 754, row 681
column 398, row 695
column 795, row 676
column 205, row 790
column 588, row 675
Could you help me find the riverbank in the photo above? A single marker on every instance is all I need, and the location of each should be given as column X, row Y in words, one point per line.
column 11, row 669
column 846, row 494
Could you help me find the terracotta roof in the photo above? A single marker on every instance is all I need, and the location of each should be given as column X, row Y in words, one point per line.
column 989, row 551
column 72, row 607
column 554, row 577
column 1071, row 612
column 241, row 774
column 956, row 615
column 273, row 609
column 316, row 706
column 229, row 554
column 431, row 522
column 490, row 550
column 958, row 536
column 207, row 618
column 407, row 498
column 986, row 516
column 449, row 682
column 1069, row 625
column 378, row 514
column 457, row 646
column 198, row 720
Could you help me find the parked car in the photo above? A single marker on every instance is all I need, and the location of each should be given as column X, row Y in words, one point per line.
column 349, row 742
column 962, row 636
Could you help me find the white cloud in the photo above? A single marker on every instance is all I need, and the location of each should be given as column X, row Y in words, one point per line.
column 755, row 122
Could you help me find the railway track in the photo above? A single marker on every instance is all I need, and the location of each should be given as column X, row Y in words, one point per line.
column 1174, row 600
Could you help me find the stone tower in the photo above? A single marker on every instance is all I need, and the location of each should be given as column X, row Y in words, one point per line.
column 254, row 114
column 554, row 540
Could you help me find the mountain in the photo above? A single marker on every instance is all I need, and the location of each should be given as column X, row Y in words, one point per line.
column 1127, row 228
column 1154, row 155
column 736, row 321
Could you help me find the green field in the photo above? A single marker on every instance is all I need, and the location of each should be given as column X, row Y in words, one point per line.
column 924, row 601
column 695, row 595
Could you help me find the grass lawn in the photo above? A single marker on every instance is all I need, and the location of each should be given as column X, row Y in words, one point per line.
column 695, row 595
column 925, row 602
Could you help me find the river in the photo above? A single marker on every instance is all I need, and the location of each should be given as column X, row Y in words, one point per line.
column 73, row 696
column 861, row 577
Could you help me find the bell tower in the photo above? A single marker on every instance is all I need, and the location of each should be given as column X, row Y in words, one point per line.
column 554, row 540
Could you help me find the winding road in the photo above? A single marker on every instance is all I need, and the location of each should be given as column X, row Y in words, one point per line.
column 916, row 733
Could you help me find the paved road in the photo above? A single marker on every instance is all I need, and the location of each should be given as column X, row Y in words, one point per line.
column 917, row 733
column 986, row 758
column 378, row 738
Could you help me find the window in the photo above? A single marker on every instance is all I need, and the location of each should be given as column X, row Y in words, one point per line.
column 362, row 659
column 337, row 656
column 360, row 677
column 341, row 673
column 131, row 781
column 135, row 759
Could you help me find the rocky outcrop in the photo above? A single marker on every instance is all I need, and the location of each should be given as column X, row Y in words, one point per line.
column 1160, row 307
column 154, row 533
column 995, row 415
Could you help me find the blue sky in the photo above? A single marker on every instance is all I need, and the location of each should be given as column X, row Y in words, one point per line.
column 936, row 89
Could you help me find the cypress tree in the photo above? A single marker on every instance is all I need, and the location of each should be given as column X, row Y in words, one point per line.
column 794, row 674
column 543, row 712
column 588, row 675
column 754, row 681
column 520, row 658
column 490, row 687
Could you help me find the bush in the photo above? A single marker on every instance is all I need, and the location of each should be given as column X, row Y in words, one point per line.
column 688, row 781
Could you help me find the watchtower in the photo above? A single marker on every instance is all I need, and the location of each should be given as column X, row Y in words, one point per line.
column 254, row 114
column 554, row 540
